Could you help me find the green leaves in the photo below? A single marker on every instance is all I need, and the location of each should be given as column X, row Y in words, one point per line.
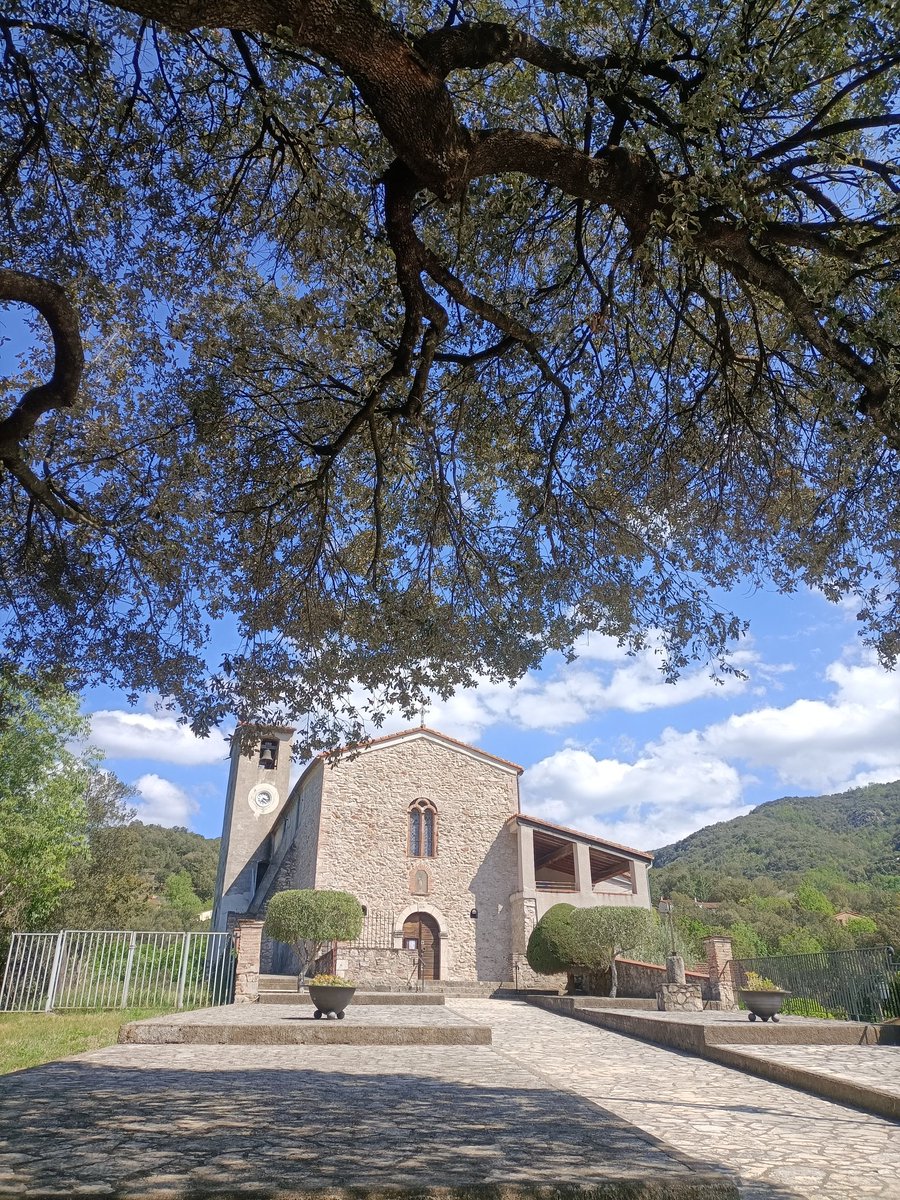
column 647, row 351
column 314, row 916
column 43, row 816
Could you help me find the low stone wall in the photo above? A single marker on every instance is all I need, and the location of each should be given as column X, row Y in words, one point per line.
column 642, row 980
column 378, row 967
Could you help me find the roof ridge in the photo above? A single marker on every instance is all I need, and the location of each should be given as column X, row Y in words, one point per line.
column 421, row 729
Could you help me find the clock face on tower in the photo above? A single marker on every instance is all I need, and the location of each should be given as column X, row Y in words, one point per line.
column 263, row 798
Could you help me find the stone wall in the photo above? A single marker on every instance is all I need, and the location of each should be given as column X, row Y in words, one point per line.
column 247, row 943
column 679, row 997
column 367, row 965
column 640, row 980
column 306, row 830
column 363, row 845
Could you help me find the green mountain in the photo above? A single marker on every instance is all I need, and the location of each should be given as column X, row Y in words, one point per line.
column 855, row 834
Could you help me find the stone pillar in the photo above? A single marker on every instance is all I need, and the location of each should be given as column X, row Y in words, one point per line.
column 722, row 989
column 675, row 969
column 526, row 858
column 583, row 869
column 248, row 944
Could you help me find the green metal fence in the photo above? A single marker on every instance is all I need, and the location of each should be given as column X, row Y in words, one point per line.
column 849, row 985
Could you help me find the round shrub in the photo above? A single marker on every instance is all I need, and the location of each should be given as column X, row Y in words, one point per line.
column 550, row 947
column 309, row 920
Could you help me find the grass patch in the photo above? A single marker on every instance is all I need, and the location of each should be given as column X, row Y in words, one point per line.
column 29, row 1039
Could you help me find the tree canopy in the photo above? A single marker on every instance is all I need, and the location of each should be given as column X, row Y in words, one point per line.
column 403, row 343
column 43, row 815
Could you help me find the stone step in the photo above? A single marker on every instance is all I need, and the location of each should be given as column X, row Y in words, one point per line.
column 429, row 999
column 274, row 1025
column 318, row 1033
column 284, row 985
column 610, row 1002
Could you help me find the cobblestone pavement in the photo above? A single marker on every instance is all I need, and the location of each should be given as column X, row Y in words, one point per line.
column 144, row 1120
column 779, row 1140
column 553, row 1099
column 877, row 1066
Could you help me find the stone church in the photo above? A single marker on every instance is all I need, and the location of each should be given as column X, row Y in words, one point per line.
column 428, row 833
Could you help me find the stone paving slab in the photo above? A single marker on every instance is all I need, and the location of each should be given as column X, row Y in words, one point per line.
column 724, row 1036
column 865, row 1076
column 260, row 1025
column 778, row 1141
column 139, row 1122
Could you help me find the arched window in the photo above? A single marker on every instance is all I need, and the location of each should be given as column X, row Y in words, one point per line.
column 422, row 829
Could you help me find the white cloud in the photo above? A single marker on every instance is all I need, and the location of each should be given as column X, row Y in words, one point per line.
column 667, row 792
column 682, row 781
column 122, row 734
column 604, row 677
column 163, row 802
column 821, row 745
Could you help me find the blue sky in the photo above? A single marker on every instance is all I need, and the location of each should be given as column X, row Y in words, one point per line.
column 606, row 743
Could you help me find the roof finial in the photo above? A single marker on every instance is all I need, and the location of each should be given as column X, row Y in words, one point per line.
column 422, row 716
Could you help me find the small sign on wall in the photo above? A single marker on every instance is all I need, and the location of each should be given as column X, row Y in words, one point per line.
column 410, row 943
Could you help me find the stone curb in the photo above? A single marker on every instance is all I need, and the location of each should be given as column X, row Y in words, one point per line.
column 695, row 1187
column 309, row 1033
column 721, row 1045
column 695, row 1036
column 428, row 999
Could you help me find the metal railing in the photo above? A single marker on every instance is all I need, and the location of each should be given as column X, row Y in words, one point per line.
column 855, row 985
column 415, row 981
column 115, row 969
column 377, row 932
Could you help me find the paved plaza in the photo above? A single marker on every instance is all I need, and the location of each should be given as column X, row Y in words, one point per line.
column 550, row 1100
column 779, row 1141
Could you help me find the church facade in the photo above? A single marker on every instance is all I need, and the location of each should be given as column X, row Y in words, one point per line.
column 428, row 834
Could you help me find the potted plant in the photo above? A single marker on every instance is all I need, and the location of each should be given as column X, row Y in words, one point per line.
column 330, row 994
column 309, row 921
column 762, row 997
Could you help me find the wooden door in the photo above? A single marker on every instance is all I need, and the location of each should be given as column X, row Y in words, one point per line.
column 420, row 932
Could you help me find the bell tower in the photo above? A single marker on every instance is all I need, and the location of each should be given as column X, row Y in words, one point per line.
column 258, row 785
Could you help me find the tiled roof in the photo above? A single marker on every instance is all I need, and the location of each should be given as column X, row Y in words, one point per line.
column 523, row 818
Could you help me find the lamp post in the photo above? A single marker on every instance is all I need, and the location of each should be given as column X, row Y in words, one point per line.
column 665, row 909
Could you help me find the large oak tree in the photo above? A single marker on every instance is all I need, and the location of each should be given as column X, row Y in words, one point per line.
column 404, row 342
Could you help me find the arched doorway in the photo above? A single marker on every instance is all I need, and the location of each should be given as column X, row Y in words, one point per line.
column 422, row 933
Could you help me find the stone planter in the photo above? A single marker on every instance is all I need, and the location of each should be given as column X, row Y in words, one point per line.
column 330, row 1001
column 765, row 1005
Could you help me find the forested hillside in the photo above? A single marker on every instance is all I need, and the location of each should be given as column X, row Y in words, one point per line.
column 795, row 875
column 140, row 876
column 163, row 852
column 856, row 833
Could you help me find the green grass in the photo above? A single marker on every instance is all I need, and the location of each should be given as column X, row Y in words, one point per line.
column 29, row 1039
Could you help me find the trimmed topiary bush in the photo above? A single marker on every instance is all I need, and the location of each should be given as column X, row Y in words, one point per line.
column 599, row 934
column 550, row 947
column 309, row 920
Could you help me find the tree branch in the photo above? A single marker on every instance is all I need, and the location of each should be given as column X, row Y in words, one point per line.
column 61, row 390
